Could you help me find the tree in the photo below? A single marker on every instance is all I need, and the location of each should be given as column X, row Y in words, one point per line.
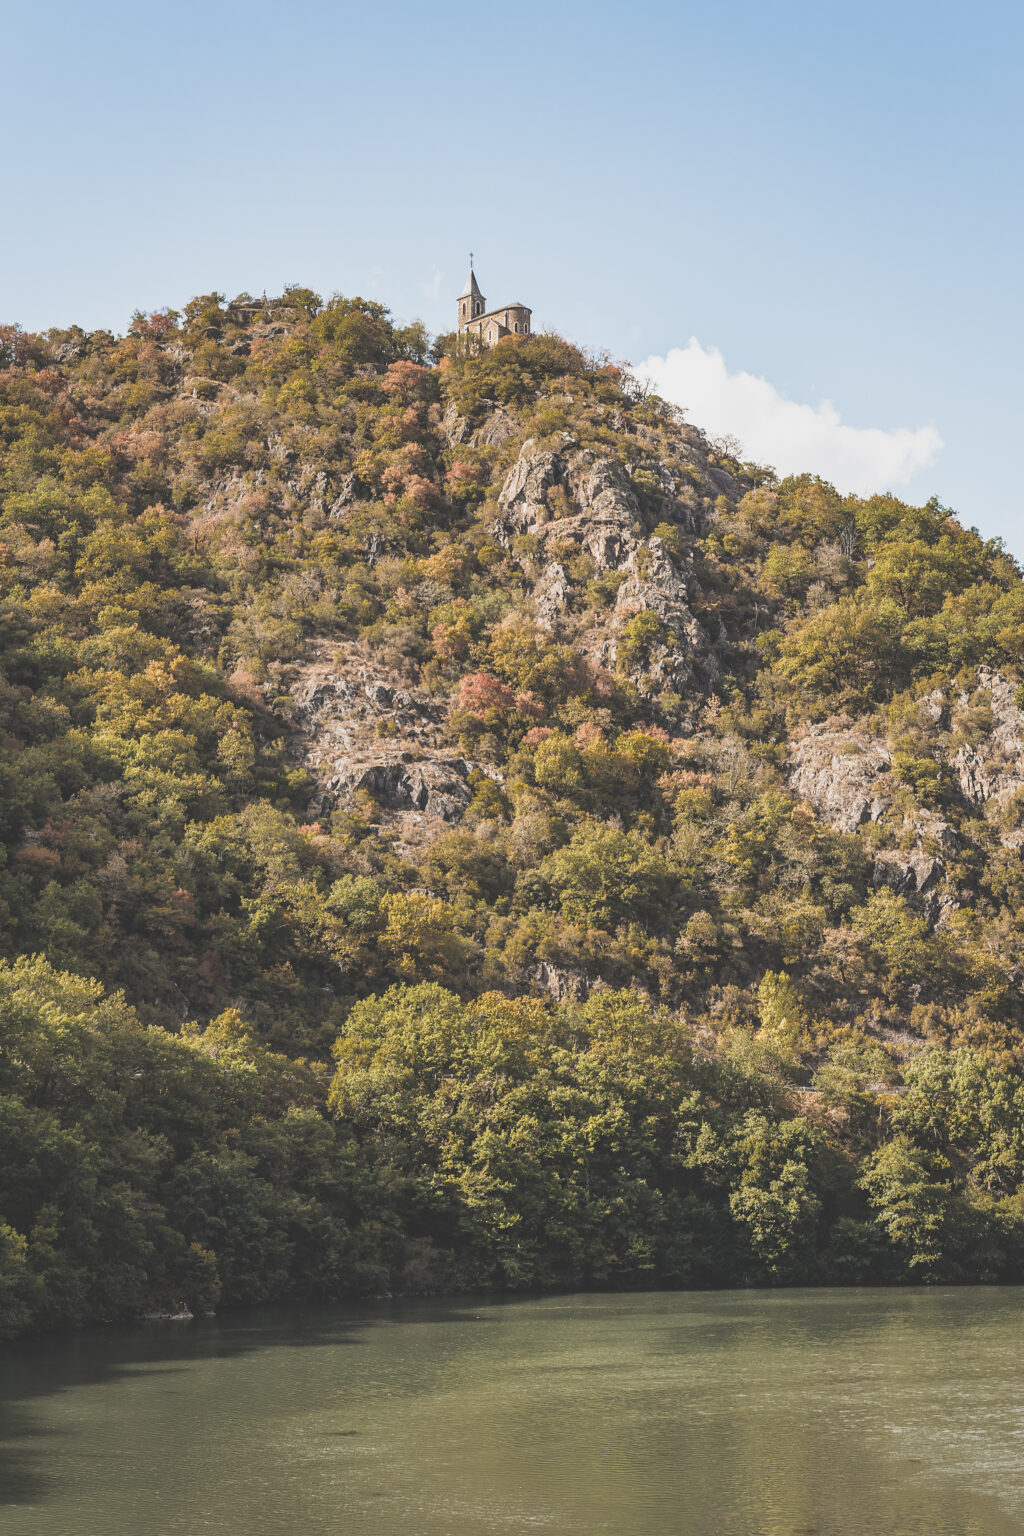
column 604, row 876
column 847, row 656
column 927, row 1227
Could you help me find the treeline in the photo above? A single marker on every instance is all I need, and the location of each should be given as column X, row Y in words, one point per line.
column 492, row 1144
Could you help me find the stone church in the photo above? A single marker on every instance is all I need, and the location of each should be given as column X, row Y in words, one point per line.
column 490, row 324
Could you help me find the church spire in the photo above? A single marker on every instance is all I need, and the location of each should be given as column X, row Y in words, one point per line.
column 471, row 302
column 472, row 288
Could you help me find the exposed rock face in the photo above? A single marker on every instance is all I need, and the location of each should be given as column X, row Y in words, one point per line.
column 654, row 583
column 993, row 769
column 225, row 491
column 723, row 482
column 357, row 732
column 562, row 983
column 438, row 788
column 348, row 492
column 909, row 874
column 573, row 497
column 844, row 774
column 551, row 594
column 523, row 497
column 495, row 430
column 598, row 506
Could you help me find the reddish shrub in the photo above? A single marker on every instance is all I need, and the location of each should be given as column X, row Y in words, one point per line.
column 480, row 693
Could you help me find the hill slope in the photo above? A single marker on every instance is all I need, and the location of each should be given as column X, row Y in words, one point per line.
column 640, row 832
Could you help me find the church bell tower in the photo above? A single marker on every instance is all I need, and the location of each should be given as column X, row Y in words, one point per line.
column 471, row 300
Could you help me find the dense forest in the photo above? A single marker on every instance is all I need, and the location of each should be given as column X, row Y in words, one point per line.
column 461, row 827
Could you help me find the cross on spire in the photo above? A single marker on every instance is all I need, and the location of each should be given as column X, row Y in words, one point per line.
column 472, row 288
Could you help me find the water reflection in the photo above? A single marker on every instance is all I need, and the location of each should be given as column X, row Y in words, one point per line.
column 733, row 1413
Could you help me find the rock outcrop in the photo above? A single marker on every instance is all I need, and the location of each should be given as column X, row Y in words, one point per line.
column 597, row 507
column 356, row 732
column 571, row 497
column 843, row 773
column 497, row 427
column 563, row 984
column 992, row 768
column 908, row 873
column 654, row 583
column 846, row 775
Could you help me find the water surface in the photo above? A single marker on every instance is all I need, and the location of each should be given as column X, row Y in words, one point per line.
column 840, row 1413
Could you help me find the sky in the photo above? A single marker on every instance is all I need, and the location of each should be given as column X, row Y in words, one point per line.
column 801, row 221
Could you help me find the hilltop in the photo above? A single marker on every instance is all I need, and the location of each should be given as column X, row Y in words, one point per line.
column 473, row 830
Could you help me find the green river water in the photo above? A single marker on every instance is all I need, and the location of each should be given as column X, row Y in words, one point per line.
column 844, row 1413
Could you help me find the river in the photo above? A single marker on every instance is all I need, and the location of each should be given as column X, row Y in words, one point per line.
column 787, row 1413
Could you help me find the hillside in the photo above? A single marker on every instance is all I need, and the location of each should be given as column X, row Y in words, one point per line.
column 462, row 828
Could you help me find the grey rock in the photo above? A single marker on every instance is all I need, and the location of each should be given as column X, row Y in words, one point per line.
column 279, row 449
column 724, row 482
column 497, row 429
column 358, row 733
column 551, row 595
column 599, row 511
column 908, row 874
column 523, row 497
column 348, row 492
column 603, row 512
column 993, row 769
column 560, row 982
column 843, row 774
column 454, row 426
column 436, row 787
column 655, row 585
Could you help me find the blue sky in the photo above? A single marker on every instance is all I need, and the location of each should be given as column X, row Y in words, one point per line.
column 826, row 198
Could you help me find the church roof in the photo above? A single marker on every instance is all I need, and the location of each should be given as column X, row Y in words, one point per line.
column 472, row 288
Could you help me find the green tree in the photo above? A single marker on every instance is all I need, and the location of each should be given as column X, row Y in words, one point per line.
column 604, row 876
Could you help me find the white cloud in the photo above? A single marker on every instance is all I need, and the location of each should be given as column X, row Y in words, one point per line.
column 784, row 433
